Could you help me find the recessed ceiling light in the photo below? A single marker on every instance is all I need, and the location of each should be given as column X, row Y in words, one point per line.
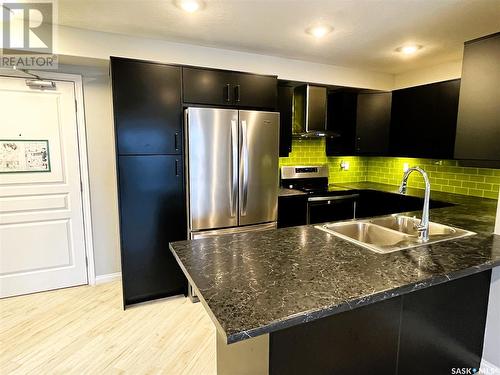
column 189, row 6
column 408, row 49
column 319, row 31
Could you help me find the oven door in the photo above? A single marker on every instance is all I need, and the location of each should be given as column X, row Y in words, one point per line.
column 331, row 208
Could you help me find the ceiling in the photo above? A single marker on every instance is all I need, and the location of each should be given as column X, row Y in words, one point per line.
column 366, row 32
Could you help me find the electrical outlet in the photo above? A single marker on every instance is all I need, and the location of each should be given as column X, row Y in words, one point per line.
column 344, row 165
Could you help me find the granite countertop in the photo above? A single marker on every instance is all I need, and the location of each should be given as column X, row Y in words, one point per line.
column 284, row 192
column 256, row 283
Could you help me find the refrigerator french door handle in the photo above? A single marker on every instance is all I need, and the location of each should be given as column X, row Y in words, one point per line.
column 234, row 167
column 244, row 168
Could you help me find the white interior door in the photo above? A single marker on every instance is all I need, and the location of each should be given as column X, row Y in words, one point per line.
column 42, row 242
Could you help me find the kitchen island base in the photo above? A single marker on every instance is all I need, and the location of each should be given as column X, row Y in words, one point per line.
column 431, row 330
column 247, row 357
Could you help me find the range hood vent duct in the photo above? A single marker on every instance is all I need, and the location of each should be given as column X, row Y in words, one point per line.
column 309, row 112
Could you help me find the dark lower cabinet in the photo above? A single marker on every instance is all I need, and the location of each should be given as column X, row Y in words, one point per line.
column 292, row 211
column 424, row 120
column 336, row 208
column 362, row 341
column 376, row 203
column 429, row 331
column 442, row 327
column 152, row 214
column 147, row 107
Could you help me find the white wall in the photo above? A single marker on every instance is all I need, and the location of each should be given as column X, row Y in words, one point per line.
column 102, row 169
column 441, row 72
column 102, row 165
column 491, row 350
column 99, row 45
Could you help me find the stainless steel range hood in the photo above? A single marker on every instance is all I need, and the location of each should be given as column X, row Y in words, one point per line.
column 309, row 112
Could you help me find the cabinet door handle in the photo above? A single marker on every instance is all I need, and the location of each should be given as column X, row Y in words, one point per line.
column 228, row 88
column 177, row 167
column 237, row 92
column 176, row 141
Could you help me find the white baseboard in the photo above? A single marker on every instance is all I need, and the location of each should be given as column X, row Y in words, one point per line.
column 488, row 368
column 101, row 279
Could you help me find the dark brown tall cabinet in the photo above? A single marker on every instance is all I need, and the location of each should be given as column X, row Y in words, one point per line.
column 478, row 127
column 148, row 124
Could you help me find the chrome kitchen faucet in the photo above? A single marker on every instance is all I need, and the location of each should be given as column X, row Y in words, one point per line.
column 423, row 227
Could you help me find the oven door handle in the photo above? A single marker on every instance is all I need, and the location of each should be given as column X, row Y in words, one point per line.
column 332, row 198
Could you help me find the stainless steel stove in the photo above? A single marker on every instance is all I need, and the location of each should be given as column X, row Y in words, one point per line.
column 326, row 202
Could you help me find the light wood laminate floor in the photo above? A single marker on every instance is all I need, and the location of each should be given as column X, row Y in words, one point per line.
column 84, row 330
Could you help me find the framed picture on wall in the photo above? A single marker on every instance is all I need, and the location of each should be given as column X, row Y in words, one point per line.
column 24, row 155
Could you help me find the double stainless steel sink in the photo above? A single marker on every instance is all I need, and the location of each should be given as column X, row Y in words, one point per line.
column 386, row 234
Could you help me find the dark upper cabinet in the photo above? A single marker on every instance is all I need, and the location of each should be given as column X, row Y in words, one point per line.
column 478, row 128
column 255, row 91
column 373, row 119
column 147, row 107
column 362, row 122
column 341, row 119
column 152, row 214
column 423, row 120
column 227, row 88
column 204, row 86
column 285, row 103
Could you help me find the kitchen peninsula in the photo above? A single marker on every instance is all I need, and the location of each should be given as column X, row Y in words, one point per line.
column 299, row 299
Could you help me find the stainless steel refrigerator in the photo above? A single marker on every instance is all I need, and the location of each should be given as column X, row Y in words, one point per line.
column 232, row 170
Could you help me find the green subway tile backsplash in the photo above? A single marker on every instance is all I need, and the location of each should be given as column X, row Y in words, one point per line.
column 445, row 175
column 312, row 151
